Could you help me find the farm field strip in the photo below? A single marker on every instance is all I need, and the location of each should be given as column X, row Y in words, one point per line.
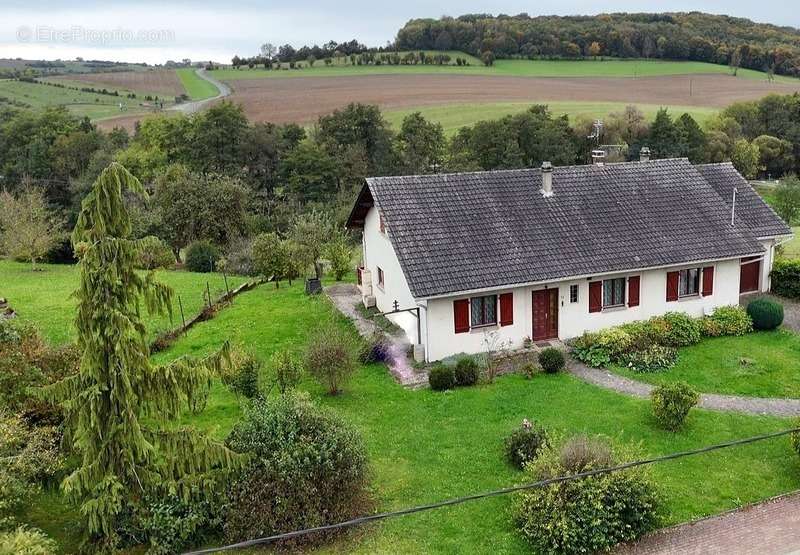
column 163, row 82
column 195, row 86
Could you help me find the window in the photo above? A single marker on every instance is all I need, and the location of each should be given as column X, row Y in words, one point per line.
column 573, row 293
column 483, row 311
column 689, row 282
column 613, row 292
column 380, row 278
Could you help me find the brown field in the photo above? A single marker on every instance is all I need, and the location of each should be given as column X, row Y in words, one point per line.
column 160, row 81
column 303, row 99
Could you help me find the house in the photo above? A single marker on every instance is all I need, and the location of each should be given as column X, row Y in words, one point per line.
column 549, row 253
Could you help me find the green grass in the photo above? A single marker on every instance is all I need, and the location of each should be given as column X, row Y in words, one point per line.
column 123, row 91
column 454, row 116
column 44, row 297
column 426, row 446
column 37, row 97
column 196, row 87
column 792, row 248
column 763, row 364
column 518, row 68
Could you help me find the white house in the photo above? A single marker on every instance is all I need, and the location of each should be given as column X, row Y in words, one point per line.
column 549, row 253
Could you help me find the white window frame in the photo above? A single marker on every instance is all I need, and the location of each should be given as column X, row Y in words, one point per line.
column 496, row 312
column 686, row 271
column 624, row 302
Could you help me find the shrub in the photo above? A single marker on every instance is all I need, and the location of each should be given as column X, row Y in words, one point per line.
column 671, row 404
column 331, row 357
column 377, row 348
column 201, row 256
column 26, row 541
column 794, row 438
column 154, row 254
column 287, row 369
column 442, row 377
column 551, row 360
column 765, row 313
column 581, row 452
column 785, row 278
column 525, row 443
column 238, row 258
column 173, row 524
column 467, row 371
column 241, row 375
column 603, row 347
column 677, row 329
column 587, row 515
column 651, row 359
column 308, row 468
column 528, row 369
column 727, row 320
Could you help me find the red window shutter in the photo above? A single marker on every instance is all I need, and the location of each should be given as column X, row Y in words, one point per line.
column 708, row 281
column 672, row 286
column 506, row 309
column 595, row 296
column 633, row 291
column 461, row 315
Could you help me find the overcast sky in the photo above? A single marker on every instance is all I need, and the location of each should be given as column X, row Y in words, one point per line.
column 156, row 31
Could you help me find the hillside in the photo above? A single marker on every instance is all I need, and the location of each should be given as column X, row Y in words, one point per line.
column 692, row 36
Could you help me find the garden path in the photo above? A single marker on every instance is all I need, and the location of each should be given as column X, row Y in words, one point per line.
column 711, row 401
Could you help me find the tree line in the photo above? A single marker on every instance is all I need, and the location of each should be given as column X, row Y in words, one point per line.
column 717, row 39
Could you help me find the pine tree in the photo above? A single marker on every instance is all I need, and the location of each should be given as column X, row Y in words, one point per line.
column 118, row 405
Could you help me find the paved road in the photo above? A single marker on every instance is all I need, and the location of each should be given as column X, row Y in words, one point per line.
column 769, row 528
column 196, row 105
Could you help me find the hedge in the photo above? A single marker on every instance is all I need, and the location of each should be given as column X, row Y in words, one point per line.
column 786, row 278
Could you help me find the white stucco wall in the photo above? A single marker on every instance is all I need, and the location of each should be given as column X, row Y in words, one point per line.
column 766, row 265
column 575, row 318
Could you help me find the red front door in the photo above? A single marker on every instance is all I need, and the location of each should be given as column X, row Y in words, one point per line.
column 749, row 276
column 545, row 314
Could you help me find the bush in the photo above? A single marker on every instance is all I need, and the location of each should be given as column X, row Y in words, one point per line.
column 467, row 371
column 528, row 369
column 727, row 320
column 442, row 377
column 201, row 256
column 525, row 443
column 287, row 369
column 377, row 348
column 765, row 313
column 651, row 359
column 551, row 360
column 785, row 278
column 603, row 347
column 677, row 329
column 331, row 357
column 172, row 524
column 241, row 375
column 26, row 541
column 671, row 404
column 581, row 453
column 308, row 468
column 589, row 515
column 154, row 254
column 239, row 258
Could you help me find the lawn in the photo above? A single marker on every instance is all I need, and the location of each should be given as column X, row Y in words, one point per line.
column 518, row 68
column 426, row 446
column 453, row 117
column 196, row 87
column 38, row 96
column 43, row 297
column 763, row 364
column 792, row 248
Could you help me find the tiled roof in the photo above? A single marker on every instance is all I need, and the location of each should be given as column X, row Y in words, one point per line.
column 470, row 231
column 750, row 207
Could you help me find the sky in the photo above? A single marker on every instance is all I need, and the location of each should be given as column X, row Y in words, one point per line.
column 156, row 31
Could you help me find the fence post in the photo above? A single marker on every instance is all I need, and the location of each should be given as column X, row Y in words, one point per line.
column 208, row 292
column 225, row 277
column 183, row 318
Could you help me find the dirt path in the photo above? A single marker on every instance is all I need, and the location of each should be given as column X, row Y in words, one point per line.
column 303, row 99
column 768, row 528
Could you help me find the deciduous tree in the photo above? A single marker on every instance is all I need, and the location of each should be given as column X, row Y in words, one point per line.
column 29, row 229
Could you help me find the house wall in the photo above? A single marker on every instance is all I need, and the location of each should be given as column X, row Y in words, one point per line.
column 575, row 318
column 378, row 252
column 766, row 265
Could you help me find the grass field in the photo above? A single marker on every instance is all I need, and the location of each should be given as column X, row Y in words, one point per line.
column 764, row 364
column 518, row 68
column 196, row 87
column 453, row 117
column 426, row 446
column 44, row 297
column 37, row 96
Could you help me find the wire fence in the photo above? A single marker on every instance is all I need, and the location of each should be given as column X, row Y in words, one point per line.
column 494, row 493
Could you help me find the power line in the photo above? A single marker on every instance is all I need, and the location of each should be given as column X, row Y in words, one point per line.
column 494, row 493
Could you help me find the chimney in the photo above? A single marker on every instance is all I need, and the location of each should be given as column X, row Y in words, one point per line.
column 598, row 157
column 644, row 154
column 547, row 179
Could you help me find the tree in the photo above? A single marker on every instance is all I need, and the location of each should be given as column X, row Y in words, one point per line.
column 339, row 254
column 117, row 406
column 310, row 232
column 736, row 60
column 787, row 199
column 488, row 58
column 216, row 138
column 665, row 138
column 693, row 138
column 310, row 173
column 745, row 158
column 268, row 51
column 362, row 126
column 270, row 257
column 775, row 155
column 421, row 144
column 29, row 229
column 594, row 49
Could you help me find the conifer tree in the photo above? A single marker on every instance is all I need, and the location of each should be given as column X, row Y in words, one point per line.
column 119, row 404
